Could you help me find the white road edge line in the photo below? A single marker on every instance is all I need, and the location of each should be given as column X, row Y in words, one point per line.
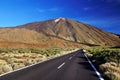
column 22, row 68
column 99, row 75
column 70, row 58
column 61, row 65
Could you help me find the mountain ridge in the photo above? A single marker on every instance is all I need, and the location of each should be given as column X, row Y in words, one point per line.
column 65, row 29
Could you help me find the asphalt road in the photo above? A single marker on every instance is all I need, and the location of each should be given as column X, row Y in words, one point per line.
column 73, row 66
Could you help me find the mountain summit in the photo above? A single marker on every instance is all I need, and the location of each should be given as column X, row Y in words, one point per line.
column 58, row 19
column 58, row 32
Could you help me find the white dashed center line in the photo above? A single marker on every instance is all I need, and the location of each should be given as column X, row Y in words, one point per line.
column 70, row 58
column 73, row 55
column 61, row 65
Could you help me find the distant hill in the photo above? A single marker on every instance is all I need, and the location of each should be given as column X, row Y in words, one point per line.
column 61, row 32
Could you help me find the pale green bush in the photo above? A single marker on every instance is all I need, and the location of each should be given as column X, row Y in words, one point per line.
column 17, row 65
column 7, row 68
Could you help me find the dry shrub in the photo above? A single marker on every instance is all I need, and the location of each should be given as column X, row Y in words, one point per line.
column 17, row 65
column 6, row 68
column 111, row 70
column 18, row 58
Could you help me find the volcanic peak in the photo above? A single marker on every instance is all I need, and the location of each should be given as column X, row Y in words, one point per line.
column 58, row 19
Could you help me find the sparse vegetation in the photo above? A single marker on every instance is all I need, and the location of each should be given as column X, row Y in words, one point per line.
column 108, row 61
column 12, row 59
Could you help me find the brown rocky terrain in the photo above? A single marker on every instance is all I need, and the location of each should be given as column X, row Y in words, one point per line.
column 61, row 32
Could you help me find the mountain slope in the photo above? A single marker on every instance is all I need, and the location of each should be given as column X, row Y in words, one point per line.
column 24, row 38
column 74, row 31
column 59, row 32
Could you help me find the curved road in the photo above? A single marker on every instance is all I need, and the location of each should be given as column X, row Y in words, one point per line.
column 73, row 66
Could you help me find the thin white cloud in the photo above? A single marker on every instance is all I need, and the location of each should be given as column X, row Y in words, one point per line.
column 48, row 10
column 53, row 9
column 87, row 8
column 40, row 10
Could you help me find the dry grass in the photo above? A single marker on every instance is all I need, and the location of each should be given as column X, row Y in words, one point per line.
column 111, row 70
column 108, row 60
column 12, row 59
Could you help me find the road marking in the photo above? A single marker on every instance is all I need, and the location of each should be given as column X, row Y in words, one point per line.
column 61, row 65
column 29, row 66
column 74, row 55
column 99, row 75
column 70, row 58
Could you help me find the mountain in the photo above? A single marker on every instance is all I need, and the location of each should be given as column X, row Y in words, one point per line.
column 24, row 38
column 118, row 35
column 61, row 32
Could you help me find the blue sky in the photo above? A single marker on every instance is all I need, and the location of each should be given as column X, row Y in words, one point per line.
column 104, row 14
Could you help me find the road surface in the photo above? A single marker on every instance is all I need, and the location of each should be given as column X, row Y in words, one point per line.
column 73, row 66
